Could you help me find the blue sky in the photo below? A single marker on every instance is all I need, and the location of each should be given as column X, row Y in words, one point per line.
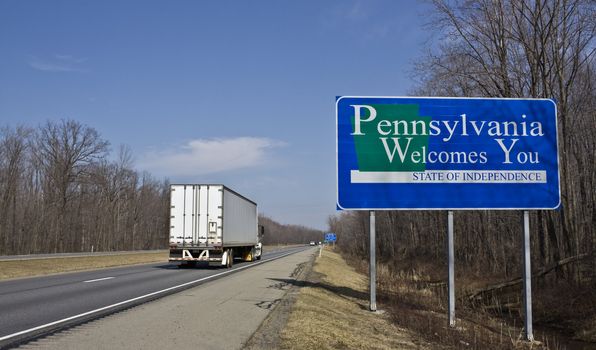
column 234, row 92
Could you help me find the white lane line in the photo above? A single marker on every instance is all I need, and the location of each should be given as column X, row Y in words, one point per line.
column 138, row 298
column 99, row 279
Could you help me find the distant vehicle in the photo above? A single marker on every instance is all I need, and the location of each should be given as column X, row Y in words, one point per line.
column 212, row 223
column 312, row 243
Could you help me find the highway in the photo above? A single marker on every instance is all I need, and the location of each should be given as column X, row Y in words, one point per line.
column 33, row 307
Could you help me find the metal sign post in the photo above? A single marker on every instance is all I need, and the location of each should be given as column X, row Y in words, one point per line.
column 372, row 265
column 527, row 279
column 451, row 268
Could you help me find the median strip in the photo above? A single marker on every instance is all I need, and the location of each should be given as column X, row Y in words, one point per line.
column 51, row 265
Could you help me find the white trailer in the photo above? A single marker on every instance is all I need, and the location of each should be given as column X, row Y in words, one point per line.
column 212, row 223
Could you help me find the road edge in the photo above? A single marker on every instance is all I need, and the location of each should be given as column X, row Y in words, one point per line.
column 267, row 335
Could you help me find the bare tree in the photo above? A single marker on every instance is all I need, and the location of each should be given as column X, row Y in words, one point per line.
column 65, row 151
column 58, row 192
column 13, row 148
column 277, row 233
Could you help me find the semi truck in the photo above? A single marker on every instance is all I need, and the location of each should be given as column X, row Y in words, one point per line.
column 214, row 224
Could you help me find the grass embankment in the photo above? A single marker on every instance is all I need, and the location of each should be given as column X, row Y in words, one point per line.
column 38, row 267
column 331, row 312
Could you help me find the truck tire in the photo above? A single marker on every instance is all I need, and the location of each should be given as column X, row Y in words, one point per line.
column 249, row 255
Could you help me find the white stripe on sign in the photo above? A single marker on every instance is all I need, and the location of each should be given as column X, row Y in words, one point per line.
column 99, row 279
column 450, row 176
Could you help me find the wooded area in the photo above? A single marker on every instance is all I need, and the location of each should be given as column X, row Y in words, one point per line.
column 276, row 233
column 61, row 193
column 540, row 49
column 506, row 49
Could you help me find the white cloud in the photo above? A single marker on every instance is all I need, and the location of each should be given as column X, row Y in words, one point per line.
column 57, row 63
column 208, row 156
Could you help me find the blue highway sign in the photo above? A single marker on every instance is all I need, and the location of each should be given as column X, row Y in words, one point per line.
column 446, row 153
column 330, row 237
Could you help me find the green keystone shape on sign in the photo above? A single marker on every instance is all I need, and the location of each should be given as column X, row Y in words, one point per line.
column 370, row 150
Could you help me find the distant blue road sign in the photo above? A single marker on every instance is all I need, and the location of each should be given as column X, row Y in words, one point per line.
column 446, row 153
column 330, row 237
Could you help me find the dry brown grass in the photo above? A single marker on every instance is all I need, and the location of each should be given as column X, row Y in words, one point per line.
column 419, row 305
column 38, row 267
column 331, row 312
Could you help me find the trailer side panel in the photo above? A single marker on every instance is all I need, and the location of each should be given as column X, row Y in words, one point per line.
column 240, row 220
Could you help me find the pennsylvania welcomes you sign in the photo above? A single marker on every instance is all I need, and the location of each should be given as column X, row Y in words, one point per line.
column 446, row 153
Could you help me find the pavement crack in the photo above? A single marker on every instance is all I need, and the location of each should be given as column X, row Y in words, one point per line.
column 280, row 286
column 268, row 305
column 299, row 268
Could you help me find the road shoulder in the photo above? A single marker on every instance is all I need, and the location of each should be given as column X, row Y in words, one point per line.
column 267, row 335
column 331, row 312
column 221, row 314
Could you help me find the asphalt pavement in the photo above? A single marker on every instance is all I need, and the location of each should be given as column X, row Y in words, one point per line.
column 34, row 307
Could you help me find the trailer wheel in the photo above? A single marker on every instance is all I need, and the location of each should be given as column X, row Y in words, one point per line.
column 249, row 255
